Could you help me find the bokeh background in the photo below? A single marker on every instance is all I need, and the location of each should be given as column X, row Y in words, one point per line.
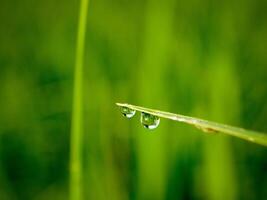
column 204, row 58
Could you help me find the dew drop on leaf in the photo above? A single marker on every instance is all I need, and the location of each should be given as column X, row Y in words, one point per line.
column 127, row 112
column 149, row 121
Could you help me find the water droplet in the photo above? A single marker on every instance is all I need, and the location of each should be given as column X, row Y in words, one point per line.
column 127, row 112
column 149, row 121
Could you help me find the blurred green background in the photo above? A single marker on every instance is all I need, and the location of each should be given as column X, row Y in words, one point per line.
column 201, row 58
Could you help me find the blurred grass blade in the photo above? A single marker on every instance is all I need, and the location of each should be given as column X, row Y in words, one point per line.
column 204, row 125
column 76, row 126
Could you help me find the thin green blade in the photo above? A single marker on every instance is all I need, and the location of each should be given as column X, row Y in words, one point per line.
column 205, row 125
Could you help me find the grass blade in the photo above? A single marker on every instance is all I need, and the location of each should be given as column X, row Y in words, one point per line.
column 76, row 126
column 205, row 125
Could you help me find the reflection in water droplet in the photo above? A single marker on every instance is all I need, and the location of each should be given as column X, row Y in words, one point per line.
column 127, row 112
column 149, row 121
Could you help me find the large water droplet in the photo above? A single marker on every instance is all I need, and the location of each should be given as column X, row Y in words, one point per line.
column 127, row 112
column 149, row 121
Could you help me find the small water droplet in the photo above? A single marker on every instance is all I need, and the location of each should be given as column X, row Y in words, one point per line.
column 127, row 112
column 149, row 121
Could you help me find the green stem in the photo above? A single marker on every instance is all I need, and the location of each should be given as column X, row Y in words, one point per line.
column 77, row 109
column 205, row 125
